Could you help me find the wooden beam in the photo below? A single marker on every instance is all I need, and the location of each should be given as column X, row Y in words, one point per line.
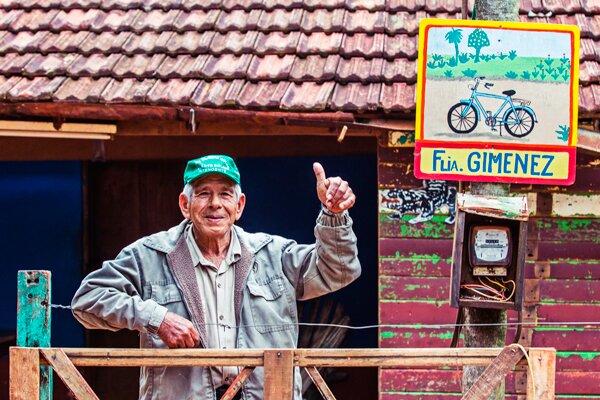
column 237, row 383
column 71, row 377
column 320, row 383
column 279, row 374
column 24, row 373
column 541, row 379
column 494, row 374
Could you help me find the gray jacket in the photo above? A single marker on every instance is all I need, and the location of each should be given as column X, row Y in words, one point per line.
column 155, row 275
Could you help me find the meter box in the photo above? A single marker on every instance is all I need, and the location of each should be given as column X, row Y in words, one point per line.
column 489, row 252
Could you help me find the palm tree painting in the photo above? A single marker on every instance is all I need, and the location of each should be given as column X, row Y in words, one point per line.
column 454, row 37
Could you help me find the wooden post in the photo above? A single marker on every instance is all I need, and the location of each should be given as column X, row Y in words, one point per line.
column 540, row 381
column 24, row 373
column 33, row 319
column 279, row 374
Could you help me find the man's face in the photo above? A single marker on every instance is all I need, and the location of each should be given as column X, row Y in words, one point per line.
column 213, row 207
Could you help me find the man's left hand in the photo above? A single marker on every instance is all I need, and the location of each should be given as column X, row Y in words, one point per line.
column 334, row 193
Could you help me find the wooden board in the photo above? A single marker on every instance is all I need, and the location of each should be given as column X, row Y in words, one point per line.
column 423, row 265
column 583, row 229
column 279, row 375
column 435, row 228
column 65, row 369
column 24, row 374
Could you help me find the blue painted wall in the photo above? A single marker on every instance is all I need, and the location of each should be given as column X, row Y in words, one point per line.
column 41, row 228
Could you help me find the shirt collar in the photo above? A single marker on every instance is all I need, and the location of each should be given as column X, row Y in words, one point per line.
column 233, row 253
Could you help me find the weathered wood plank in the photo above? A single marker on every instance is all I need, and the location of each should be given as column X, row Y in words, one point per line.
column 578, row 361
column 571, row 229
column 548, row 251
column 436, row 228
column 320, row 383
column 24, row 381
column 417, row 288
column 564, row 269
column 279, row 374
column 397, row 175
column 575, row 205
column 570, row 291
column 237, row 383
column 424, row 265
column 71, row 377
column 541, row 379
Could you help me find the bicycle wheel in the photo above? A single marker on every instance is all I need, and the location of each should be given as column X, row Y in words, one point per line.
column 519, row 122
column 462, row 118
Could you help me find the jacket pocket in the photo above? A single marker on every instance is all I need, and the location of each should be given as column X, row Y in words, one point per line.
column 270, row 308
column 165, row 294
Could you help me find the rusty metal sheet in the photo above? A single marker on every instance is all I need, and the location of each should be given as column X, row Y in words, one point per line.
column 137, row 66
column 196, row 20
column 115, row 20
column 105, row 42
column 190, row 42
column 52, row 64
column 37, row 88
column 277, row 43
column 22, row 42
column 126, row 91
column 13, row 63
column 365, row 21
column 94, row 65
column 400, row 71
column 314, row 68
column 400, row 46
column 398, row 96
column 148, row 42
column 217, row 93
column 261, row 94
column 499, row 207
column 228, row 66
column 155, row 20
column 321, row 20
column 307, row 96
column 173, row 91
column 238, row 20
column 80, row 90
column 359, row 69
column 280, row 20
column 233, row 42
column 356, row 97
column 320, row 43
column 270, row 67
column 181, row 66
column 363, row 45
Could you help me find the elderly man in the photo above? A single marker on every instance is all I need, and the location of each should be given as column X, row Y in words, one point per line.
column 208, row 283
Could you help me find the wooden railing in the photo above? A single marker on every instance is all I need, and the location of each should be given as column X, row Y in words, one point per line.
column 25, row 363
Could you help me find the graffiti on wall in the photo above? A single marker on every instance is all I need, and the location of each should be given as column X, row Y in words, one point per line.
column 424, row 202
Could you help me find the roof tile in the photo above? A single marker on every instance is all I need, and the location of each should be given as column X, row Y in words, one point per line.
column 404, row 5
column 527, row 6
column 217, row 93
column 173, row 91
column 64, row 42
column 586, row 99
column 589, row 25
column 328, row 4
column 307, row 96
column 22, row 42
column 105, row 42
column 402, row 23
column 226, row 66
column 155, row 20
column 196, row 20
column 238, row 20
column 164, row 4
column 359, row 69
column 280, row 20
column 262, row 94
column 365, row 21
column 121, row 4
column 126, row 91
column 34, row 89
column 442, row 6
column 277, row 43
column 562, row 6
column 363, row 45
column 321, row 20
column 397, row 97
column 591, row 6
column 190, row 42
column 8, row 17
column 115, row 20
column 147, row 42
column 51, row 65
column 356, row 97
column 137, row 66
column 589, row 71
column 229, row 5
column 395, row 71
column 6, row 84
column 314, row 68
column 81, row 90
column 401, row 46
column 588, row 50
column 369, row 5
column 34, row 20
column 181, row 66
column 94, row 65
column 203, row 5
column 233, row 42
column 270, row 67
column 13, row 63
column 320, row 43
column 287, row 4
column 75, row 20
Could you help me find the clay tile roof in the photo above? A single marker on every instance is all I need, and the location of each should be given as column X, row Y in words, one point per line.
column 301, row 55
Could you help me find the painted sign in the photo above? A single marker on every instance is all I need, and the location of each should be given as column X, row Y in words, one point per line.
column 497, row 101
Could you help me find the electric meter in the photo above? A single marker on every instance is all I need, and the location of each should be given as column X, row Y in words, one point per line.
column 490, row 250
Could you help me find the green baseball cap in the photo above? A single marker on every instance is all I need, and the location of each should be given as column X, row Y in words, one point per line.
column 211, row 164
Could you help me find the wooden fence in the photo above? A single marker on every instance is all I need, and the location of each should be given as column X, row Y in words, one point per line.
column 25, row 363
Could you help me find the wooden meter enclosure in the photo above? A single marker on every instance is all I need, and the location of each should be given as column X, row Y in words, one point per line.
column 489, row 252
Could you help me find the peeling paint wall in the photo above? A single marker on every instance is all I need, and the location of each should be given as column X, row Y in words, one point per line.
column 562, row 281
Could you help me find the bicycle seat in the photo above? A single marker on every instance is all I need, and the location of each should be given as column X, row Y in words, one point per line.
column 509, row 92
